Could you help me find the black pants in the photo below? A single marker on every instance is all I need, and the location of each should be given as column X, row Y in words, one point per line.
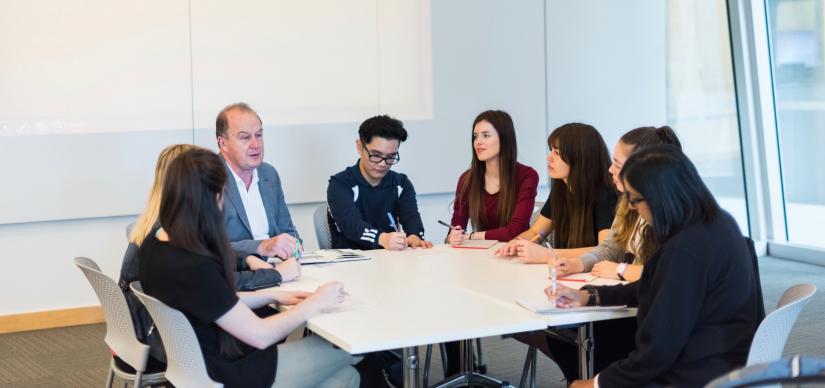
column 613, row 340
column 373, row 367
column 454, row 358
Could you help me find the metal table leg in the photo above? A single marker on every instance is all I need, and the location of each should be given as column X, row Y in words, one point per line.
column 410, row 358
column 586, row 345
column 467, row 377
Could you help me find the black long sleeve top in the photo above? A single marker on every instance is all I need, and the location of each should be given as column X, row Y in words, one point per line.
column 697, row 301
column 358, row 211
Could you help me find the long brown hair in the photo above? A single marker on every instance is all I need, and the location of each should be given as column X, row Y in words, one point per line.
column 190, row 215
column 572, row 203
column 472, row 183
column 624, row 226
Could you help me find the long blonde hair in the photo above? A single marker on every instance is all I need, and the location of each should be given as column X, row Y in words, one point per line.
column 149, row 217
column 625, row 224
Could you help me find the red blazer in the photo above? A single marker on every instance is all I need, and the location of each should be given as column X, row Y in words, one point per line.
column 527, row 180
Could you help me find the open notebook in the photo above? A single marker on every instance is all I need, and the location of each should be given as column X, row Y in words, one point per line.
column 543, row 306
column 476, row 244
column 332, row 256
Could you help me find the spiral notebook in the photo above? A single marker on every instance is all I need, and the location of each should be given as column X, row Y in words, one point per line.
column 545, row 307
column 332, row 256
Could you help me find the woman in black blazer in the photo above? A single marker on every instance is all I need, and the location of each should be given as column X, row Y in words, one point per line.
column 697, row 297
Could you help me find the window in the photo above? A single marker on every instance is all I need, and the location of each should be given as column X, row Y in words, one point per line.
column 701, row 99
column 795, row 35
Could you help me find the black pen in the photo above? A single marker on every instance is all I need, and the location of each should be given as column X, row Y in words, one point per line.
column 447, row 225
column 450, row 226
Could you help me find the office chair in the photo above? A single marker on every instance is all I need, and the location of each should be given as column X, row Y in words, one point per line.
column 120, row 331
column 185, row 364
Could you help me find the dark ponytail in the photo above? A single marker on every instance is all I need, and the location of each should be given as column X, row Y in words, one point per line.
column 648, row 136
column 626, row 221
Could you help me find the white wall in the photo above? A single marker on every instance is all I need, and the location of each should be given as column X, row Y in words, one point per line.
column 606, row 64
column 485, row 55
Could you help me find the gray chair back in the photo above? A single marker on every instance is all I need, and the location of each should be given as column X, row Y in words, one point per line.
column 536, row 212
column 120, row 331
column 322, row 227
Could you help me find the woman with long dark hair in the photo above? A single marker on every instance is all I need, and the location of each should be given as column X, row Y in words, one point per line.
column 253, row 273
column 188, row 264
column 496, row 194
column 697, row 298
column 582, row 200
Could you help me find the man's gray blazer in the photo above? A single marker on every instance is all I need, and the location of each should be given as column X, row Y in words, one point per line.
column 234, row 214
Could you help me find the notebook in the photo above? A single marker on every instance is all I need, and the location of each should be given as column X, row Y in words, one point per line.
column 332, row 256
column 476, row 244
column 545, row 307
column 585, row 277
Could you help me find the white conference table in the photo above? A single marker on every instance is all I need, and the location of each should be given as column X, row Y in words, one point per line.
column 417, row 297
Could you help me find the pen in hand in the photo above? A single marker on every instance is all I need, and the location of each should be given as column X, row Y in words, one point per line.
column 392, row 223
column 397, row 227
column 298, row 253
column 448, row 225
column 452, row 227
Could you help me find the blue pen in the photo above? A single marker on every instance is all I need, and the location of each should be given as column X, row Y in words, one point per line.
column 392, row 222
column 298, row 253
column 395, row 226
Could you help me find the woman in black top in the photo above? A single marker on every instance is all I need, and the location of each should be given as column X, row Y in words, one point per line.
column 188, row 264
column 582, row 201
column 697, row 298
column 252, row 272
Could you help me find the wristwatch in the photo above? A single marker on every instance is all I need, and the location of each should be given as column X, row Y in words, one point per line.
column 620, row 270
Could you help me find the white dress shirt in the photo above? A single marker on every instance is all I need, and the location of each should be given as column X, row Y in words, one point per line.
column 253, row 204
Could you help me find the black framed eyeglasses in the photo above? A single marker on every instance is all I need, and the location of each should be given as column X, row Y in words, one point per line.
column 389, row 160
column 633, row 201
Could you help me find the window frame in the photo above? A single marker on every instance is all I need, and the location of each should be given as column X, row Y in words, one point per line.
column 759, row 136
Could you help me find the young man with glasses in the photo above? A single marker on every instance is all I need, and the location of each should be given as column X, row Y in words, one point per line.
column 371, row 207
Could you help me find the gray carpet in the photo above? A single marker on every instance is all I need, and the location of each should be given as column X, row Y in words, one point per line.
column 77, row 356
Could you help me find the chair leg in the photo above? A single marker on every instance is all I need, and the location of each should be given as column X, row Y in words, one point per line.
column 481, row 367
column 529, row 367
column 138, row 378
column 443, row 349
column 428, row 355
column 533, row 367
column 110, row 379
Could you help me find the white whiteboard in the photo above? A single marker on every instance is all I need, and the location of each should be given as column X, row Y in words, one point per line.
column 96, row 88
column 89, row 93
column 330, row 62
